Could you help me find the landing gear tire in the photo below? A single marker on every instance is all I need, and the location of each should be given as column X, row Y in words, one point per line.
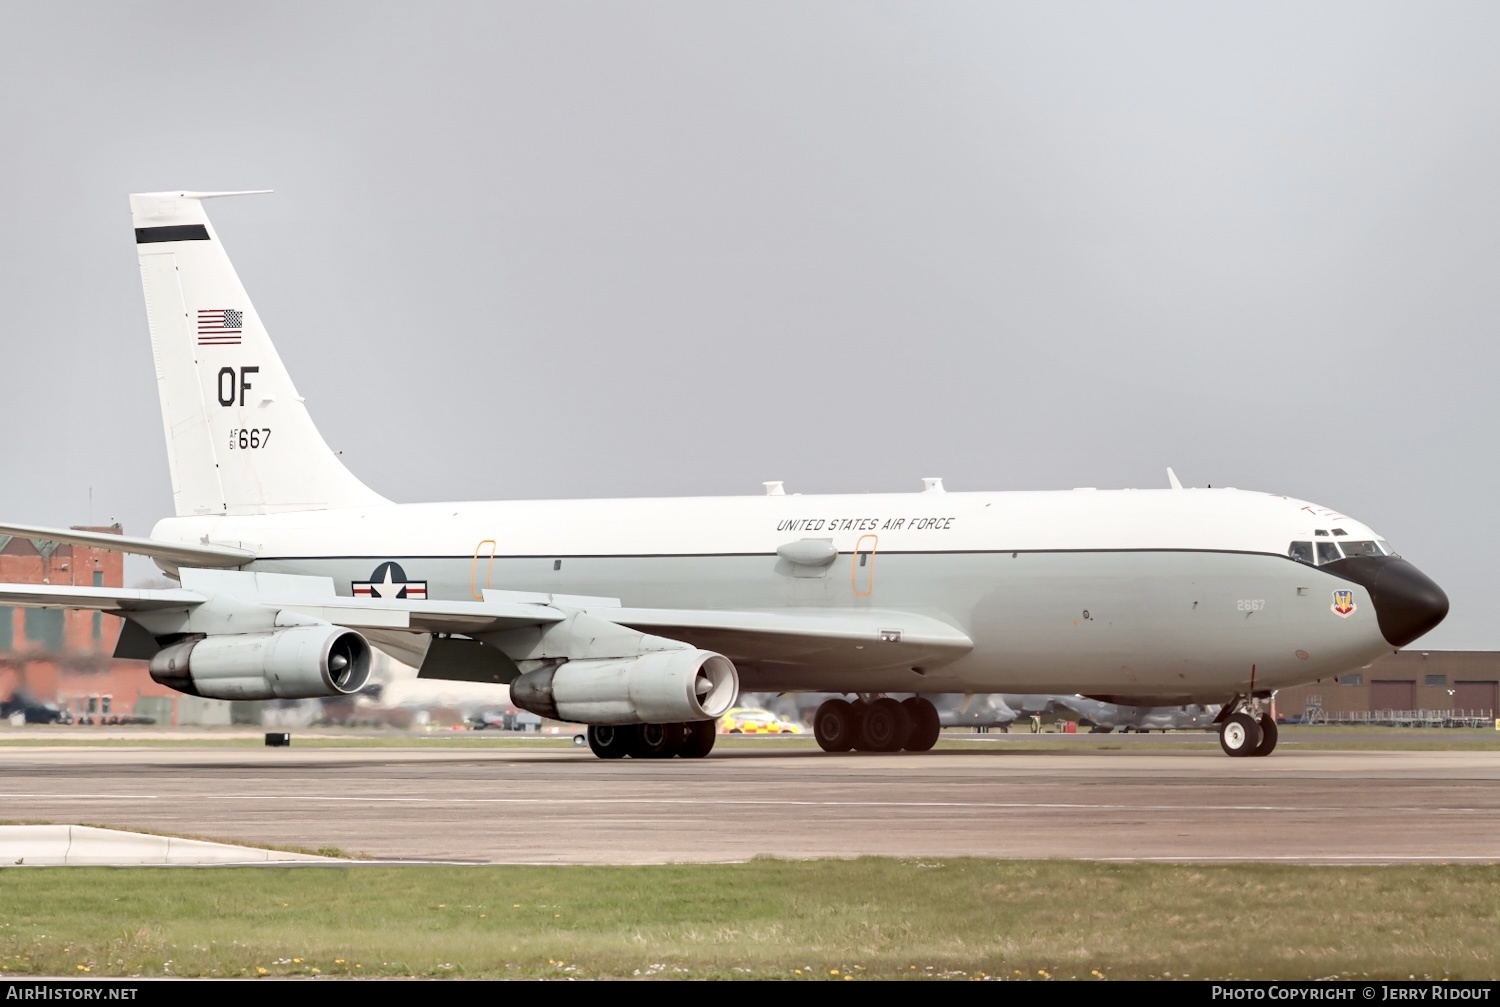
column 1240, row 735
column 925, row 725
column 658, row 741
column 837, row 726
column 1268, row 734
column 698, row 739
column 887, row 726
column 610, row 742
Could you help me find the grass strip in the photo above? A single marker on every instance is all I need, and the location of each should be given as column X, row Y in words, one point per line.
column 831, row 919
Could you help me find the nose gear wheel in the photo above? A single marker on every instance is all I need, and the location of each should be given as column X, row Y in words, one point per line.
column 1240, row 735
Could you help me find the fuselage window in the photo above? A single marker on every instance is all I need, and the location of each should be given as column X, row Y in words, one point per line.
column 1302, row 552
column 1361, row 549
column 1328, row 552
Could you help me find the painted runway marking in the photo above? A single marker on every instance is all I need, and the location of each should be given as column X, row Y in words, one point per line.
column 107, row 797
column 742, row 802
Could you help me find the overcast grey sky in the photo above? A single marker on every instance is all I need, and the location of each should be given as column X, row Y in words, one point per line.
column 598, row 249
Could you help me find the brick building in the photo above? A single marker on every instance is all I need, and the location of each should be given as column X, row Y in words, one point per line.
column 1440, row 680
column 65, row 656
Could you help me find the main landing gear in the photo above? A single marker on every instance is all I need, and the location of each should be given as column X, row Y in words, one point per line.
column 1248, row 730
column 692, row 740
column 878, row 725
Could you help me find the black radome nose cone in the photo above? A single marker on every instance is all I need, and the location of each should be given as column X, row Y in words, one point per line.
column 1407, row 602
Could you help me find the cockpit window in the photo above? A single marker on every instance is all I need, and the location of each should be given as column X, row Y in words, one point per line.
column 1361, row 549
column 1339, row 531
column 1385, row 547
column 1302, row 552
column 1328, row 552
column 1321, row 533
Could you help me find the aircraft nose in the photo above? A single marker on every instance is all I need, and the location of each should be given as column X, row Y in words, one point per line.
column 1407, row 602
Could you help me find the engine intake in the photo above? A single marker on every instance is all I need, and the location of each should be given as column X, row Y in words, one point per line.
column 307, row 662
column 660, row 688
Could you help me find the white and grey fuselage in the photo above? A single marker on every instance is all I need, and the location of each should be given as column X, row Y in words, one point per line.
column 1156, row 596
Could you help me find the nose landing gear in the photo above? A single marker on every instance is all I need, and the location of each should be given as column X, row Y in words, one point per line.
column 1248, row 731
column 881, row 725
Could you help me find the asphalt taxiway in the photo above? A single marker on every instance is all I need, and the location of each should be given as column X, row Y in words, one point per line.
column 563, row 806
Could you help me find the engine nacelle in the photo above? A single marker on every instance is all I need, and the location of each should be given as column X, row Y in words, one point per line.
column 665, row 687
column 305, row 662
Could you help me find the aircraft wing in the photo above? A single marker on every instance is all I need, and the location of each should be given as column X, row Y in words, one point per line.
column 187, row 555
column 311, row 596
column 833, row 639
column 466, row 618
column 830, row 639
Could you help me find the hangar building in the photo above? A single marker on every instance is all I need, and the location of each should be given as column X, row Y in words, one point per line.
column 1461, row 683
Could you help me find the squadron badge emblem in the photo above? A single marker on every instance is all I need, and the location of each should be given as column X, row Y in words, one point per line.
column 389, row 581
column 1343, row 604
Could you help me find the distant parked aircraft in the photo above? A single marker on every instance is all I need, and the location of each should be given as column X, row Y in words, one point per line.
column 992, row 710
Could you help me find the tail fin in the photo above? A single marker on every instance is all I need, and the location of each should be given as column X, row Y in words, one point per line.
column 239, row 439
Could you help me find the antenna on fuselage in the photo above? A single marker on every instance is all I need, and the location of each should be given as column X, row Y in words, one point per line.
column 1172, row 479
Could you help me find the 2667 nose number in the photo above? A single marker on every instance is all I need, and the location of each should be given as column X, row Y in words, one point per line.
column 248, row 438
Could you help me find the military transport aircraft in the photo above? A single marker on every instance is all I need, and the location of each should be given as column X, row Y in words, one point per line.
column 643, row 618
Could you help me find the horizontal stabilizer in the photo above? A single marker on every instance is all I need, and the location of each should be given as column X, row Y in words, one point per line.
column 98, row 599
column 171, row 552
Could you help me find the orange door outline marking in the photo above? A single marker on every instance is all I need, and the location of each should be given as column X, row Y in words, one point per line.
column 864, row 557
column 474, row 588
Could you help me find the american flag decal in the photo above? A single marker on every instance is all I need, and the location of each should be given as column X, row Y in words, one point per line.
column 220, row 326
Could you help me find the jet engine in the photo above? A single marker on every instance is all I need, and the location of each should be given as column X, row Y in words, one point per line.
column 305, row 662
column 659, row 688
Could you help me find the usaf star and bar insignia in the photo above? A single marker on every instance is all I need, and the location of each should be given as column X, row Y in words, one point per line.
column 390, row 581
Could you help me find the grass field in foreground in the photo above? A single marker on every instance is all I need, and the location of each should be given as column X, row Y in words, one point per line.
column 866, row 918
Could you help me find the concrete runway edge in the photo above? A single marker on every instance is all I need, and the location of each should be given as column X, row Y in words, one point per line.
column 555, row 806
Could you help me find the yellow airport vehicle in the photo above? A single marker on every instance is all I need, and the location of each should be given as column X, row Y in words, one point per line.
column 752, row 720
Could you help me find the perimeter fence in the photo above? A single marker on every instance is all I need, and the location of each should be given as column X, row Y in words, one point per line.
column 1403, row 718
